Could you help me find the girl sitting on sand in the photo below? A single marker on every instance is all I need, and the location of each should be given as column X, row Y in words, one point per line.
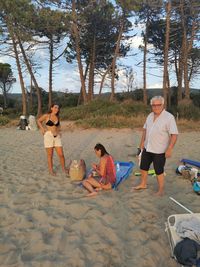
column 103, row 175
column 49, row 125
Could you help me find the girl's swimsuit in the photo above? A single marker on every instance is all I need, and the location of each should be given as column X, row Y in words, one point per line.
column 50, row 123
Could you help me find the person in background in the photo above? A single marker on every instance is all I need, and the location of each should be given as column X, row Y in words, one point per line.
column 103, row 175
column 49, row 125
column 158, row 139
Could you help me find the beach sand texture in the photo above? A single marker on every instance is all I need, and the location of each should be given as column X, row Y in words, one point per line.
column 47, row 221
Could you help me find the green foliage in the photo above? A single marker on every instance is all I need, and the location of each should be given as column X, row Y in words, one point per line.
column 195, row 98
column 66, row 99
column 102, row 113
column 99, row 26
column 110, row 122
column 4, row 120
column 136, row 95
column 187, row 110
column 6, row 76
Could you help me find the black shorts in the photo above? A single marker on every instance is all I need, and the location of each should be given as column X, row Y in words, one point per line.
column 157, row 159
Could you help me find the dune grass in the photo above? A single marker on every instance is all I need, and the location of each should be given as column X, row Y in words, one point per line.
column 127, row 114
column 188, row 125
column 105, row 114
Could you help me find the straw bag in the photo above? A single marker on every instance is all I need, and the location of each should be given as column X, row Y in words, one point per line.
column 77, row 170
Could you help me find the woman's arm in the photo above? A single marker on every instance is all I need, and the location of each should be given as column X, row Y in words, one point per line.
column 40, row 121
column 101, row 169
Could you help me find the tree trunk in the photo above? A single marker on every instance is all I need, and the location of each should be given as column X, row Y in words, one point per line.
column 91, row 71
column 75, row 34
column 184, row 52
column 24, row 103
column 50, row 72
column 144, row 65
column 180, row 77
column 103, row 79
column 115, row 59
column 169, row 90
column 5, row 104
column 31, row 96
column 80, row 99
column 39, row 111
column 189, row 46
column 166, row 49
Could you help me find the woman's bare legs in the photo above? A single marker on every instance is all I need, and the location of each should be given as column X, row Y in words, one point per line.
column 61, row 156
column 50, row 160
column 106, row 186
column 90, row 183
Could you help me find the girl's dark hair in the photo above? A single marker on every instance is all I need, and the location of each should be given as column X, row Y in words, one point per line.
column 52, row 105
column 102, row 148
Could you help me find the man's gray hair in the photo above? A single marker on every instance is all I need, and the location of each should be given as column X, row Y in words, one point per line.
column 158, row 97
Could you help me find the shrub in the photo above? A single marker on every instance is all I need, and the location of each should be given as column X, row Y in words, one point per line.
column 4, row 120
column 187, row 110
column 103, row 113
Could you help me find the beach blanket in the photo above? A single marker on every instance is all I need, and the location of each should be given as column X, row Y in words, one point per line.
column 123, row 171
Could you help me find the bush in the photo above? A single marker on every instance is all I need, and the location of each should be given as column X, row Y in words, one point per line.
column 4, row 120
column 187, row 110
column 103, row 113
column 195, row 98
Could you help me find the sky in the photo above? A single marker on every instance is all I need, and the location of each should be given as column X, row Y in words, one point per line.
column 66, row 76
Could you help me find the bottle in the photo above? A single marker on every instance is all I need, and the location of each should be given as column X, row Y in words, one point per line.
column 138, row 151
column 139, row 154
column 118, row 167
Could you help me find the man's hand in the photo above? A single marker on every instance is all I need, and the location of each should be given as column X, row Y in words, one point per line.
column 168, row 153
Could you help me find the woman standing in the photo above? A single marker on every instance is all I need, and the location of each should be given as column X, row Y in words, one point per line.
column 103, row 175
column 49, row 125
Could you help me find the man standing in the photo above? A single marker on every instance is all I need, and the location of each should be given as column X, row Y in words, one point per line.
column 158, row 139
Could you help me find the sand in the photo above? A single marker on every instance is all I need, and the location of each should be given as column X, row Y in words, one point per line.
column 48, row 221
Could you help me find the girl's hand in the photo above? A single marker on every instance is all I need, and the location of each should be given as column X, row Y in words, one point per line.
column 94, row 166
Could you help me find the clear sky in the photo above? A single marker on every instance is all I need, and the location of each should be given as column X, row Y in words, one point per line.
column 66, row 76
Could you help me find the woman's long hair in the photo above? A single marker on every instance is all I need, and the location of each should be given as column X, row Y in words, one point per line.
column 50, row 111
column 102, row 148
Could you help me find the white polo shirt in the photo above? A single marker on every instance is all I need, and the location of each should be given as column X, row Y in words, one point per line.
column 158, row 132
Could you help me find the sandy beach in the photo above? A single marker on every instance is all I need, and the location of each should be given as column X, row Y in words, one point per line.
column 47, row 221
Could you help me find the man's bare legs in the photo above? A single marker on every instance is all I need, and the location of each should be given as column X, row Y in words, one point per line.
column 143, row 183
column 160, row 179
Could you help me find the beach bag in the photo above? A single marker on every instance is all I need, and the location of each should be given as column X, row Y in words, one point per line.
column 196, row 187
column 77, row 170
